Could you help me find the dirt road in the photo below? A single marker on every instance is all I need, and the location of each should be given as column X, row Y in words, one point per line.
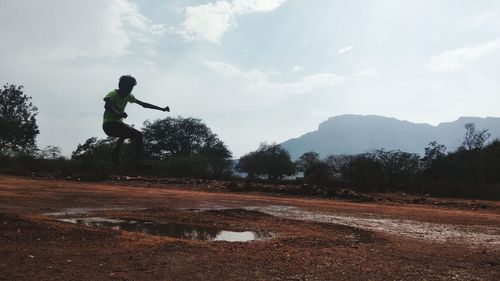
column 295, row 239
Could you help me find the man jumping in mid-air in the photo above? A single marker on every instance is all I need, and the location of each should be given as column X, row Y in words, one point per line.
column 113, row 125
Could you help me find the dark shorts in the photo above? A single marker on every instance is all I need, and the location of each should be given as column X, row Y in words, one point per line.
column 121, row 130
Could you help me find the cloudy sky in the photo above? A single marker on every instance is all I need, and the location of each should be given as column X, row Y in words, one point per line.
column 252, row 70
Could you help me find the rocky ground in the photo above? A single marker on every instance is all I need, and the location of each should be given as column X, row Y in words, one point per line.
column 354, row 237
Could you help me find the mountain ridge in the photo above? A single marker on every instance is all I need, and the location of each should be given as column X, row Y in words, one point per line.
column 352, row 134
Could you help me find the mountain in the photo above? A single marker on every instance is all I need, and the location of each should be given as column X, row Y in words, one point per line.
column 352, row 134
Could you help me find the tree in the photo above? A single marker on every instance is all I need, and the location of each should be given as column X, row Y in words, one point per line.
column 307, row 162
column 400, row 167
column 181, row 137
column 188, row 140
column 474, row 139
column 49, row 152
column 434, row 159
column 339, row 163
column 269, row 160
column 218, row 158
column 433, row 152
column 93, row 149
column 491, row 162
column 315, row 170
column 365, row 172
column 18, row 128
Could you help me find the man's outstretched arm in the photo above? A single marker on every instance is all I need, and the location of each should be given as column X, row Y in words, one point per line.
column 152, row 106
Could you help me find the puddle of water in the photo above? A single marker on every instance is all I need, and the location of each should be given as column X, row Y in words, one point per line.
column 182, row 231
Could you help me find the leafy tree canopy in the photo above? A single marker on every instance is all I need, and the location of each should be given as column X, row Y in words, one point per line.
column 268, row 160
column 18, row 128
column 315, row 170
column 50, row 152
column 93, row 149
column 180, row 136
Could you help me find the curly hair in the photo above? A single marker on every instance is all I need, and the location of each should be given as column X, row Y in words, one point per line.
column 126, row 81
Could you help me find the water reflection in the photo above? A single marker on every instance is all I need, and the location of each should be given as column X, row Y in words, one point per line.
column 177, row 230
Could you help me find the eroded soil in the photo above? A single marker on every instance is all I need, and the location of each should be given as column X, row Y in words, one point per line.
column 312, row 239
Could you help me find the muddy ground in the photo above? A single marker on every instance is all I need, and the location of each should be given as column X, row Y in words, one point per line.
column 306, row 238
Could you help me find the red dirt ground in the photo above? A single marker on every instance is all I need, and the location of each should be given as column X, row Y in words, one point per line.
column 314, row 239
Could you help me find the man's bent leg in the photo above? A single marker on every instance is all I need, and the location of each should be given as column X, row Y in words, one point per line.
column 139, row 142
column 124, row 131
column 116, row 151
column 136, row 136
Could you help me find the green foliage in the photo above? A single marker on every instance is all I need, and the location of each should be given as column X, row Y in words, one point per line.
column 400, row 168
column 315, row 170
column 49, row 152
column 178, row 147
column 365, row 172
column 473, row 167
column 269, row 160
column 181, row 137
column 490, row 157
column 378, row 170
column 472, row 170
column 18, row 128
column 434, row 152
column 187, row 144
column 186, row 166
column 307, row 162
column 92, row 159
column 93, row 149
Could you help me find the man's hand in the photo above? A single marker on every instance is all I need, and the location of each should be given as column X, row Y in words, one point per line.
column 167, row 109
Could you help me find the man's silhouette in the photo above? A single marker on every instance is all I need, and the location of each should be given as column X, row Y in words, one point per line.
column 113, row 125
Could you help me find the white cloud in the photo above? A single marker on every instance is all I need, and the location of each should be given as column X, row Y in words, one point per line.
column 319, row 113
column 209, row 22
column 296, row 68
column 259, row 80
column 255, row 77
column 489, row 17
column 366, row 72
column 464, row 58
column 311, row 83
column 224, row 69
column 345, row 50
column 68, row 30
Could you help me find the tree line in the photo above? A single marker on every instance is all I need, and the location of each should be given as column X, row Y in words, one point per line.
column 186, row 147
column 473, row 169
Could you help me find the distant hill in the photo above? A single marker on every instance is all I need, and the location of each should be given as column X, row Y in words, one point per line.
column 352, row 134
